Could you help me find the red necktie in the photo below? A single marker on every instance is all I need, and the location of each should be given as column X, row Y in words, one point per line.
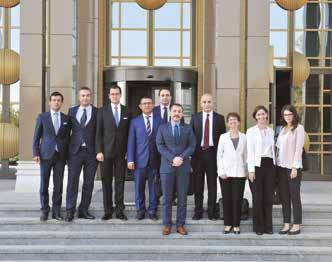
column 206, row 133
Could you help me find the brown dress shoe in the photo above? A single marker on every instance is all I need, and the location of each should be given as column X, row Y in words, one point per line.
column 166, row 231
column 182, row 231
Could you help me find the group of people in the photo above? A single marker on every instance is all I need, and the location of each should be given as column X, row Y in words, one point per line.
column 162, row 150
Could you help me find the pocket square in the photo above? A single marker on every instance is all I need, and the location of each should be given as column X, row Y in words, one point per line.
column 65, row 123
column 125, row 118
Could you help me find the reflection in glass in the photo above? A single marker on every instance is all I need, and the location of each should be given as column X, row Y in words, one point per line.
column 186, row 44
column 328, row 16
column 167, row 43
column 115, row 43
column 327, row 120
column 328, row 164
column 311, row 119
column 168, row 16
column 307, row 43
column 279, row 42
column 133, row 16
column 133, row 43
column 280, row 62
column 312, row 90
column 15, row 40
column 308, row 17
column 134, row 62
column 328, row 82
column 15, row 15
column 166, row 62
column 278, row 17
column 186, row 15
column 115, row 14
column 327, row 44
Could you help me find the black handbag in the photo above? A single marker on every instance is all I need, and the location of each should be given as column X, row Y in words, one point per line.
column 244, row 209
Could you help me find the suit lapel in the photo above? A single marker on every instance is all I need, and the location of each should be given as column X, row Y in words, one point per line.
column 110, row 111
column 93, row 114
column 50, row 122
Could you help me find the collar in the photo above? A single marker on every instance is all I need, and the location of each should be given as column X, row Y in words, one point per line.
column 52, row 112
column 144, row 115
column 85, row 107
column 210, row 113
column 162, row 106
column 114, row 105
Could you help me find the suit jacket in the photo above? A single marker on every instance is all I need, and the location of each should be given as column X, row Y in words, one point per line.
column 197, row 125
column 111, row 140
column 231, row 162
column 45, row 139
column 169, row 149
column 80, row 135
column 142, row 149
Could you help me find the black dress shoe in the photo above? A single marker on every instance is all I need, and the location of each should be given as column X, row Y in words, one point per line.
column 140, row 215
column 57, row 216
column 85, row 215
column 258, row 233
column 69, row 216
column 268, row 232
column 292, row 233
column 197, row 216
column 121, row 216
column 106, row 216
column 44, row 216
column 236, row 232
column 283, row 232
column 212, row 217
column 153, row 217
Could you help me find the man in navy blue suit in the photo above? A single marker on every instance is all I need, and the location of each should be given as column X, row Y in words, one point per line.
column 163, row 110
column 50, row 146
column 176, row 143
column 82, row 154
column 143, row 157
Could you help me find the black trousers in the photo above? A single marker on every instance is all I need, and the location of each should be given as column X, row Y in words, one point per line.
column 58, row 166
column 206, row 163
column 113, row 168
column 262, row 195
column 232, row 190
column 289, row 191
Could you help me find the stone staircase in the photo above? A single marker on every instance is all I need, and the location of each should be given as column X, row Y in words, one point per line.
column 24, row 237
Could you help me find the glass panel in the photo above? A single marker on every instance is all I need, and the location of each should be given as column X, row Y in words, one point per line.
column 327, row 164
column 168, row 16
column 328, row 98
column 327, row 120
column 279, row 42
column 115, row 62
column 133, row 16
column 186, row 44
column 327, row 44
column 311, row 92
column 327, row 148
column 186, row 15
column 167, row 62
column 328, row 81
column 280, row 62
column 15, row 92
column 311, row 119
column 328, row 62
column 15, row 40
column 15, row 16
column 164, row 47
column 115, row 43
column 314, row 62
column 328, row 15
column 278, row 17
column 186, row 62
column 1, row 38
column 1, row 16
column 134, row 62
column 115, row 14
column 314, row 163
column 307, row 43
column 133, row 43
column 308, row 17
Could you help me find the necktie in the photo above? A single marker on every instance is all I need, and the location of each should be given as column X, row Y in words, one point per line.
column 165, row 115
column 83, row 118
column 56, row 122
column 206, row 133
column 116, row 115
column 176, row 134
column 148, row 126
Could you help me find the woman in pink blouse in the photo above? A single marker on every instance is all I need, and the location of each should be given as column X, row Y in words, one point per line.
column 289, row 160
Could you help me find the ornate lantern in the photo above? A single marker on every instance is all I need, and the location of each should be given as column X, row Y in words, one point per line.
column 9, row 3
column 291, row 5
column 9, row 66
column 151, row 4
column 8, row 140
column 301, row 69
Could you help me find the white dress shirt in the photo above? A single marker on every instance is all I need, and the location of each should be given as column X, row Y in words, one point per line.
column 80, row 113
column 146, row 121
column 210, row 128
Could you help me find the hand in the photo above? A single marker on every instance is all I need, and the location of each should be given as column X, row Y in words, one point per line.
column 100, row 157
column 37, row 159
column 177, row 161
column 252, row 177
column 293, row 173
column 131, row 165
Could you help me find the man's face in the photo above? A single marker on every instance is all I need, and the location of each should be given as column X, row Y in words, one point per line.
column 146, row 105
column 84, row 96
column 165, row 97
column 176, row 113
column 207, row 103
column 114, row 96
column 55, row 103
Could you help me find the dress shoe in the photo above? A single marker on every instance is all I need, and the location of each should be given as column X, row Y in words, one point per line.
column 212, row 217
column 182, row 231
column 140, row 215
column 69, row 216
column 106, row 216
column 258, row 233
column 166, row 231
column 268, row 232
column 236, row 232
column 57, row 216
column 292, row 233
column 197, row 216
column 121, row 216
column 85, row 215
column 44, row 216
column 283, row 232
column 153, row 217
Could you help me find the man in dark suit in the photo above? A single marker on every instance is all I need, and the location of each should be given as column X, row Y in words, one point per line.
column 82, row 154
column 50, row 146
column 111, row 147
column 207, row 126
column 143, row 157
column 175, row 142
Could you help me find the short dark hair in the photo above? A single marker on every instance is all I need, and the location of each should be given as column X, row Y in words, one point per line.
column 296, row 117
column 177, row 104
column 85, row 88
column 164, row 88
column 233, row 114
column 115, row 87
column 56, row 93
column 257, row 108
column 146, row 97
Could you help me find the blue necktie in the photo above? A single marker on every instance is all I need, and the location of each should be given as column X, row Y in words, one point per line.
column 176, row 134
column 116, row 115
column 56, row 127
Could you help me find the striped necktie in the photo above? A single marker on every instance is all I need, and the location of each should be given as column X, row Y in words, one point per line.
column 148, row 126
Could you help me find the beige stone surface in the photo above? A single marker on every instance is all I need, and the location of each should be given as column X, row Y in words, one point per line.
column 256, row 97
column 228, row 15
column 258, row 17
column 31, row 17
column 227, row 100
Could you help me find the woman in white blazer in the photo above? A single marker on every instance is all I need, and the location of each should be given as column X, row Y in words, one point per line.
column 261, row 167
column 232, row 171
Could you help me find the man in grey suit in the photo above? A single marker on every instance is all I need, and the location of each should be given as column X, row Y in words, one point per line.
column 176, row 143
